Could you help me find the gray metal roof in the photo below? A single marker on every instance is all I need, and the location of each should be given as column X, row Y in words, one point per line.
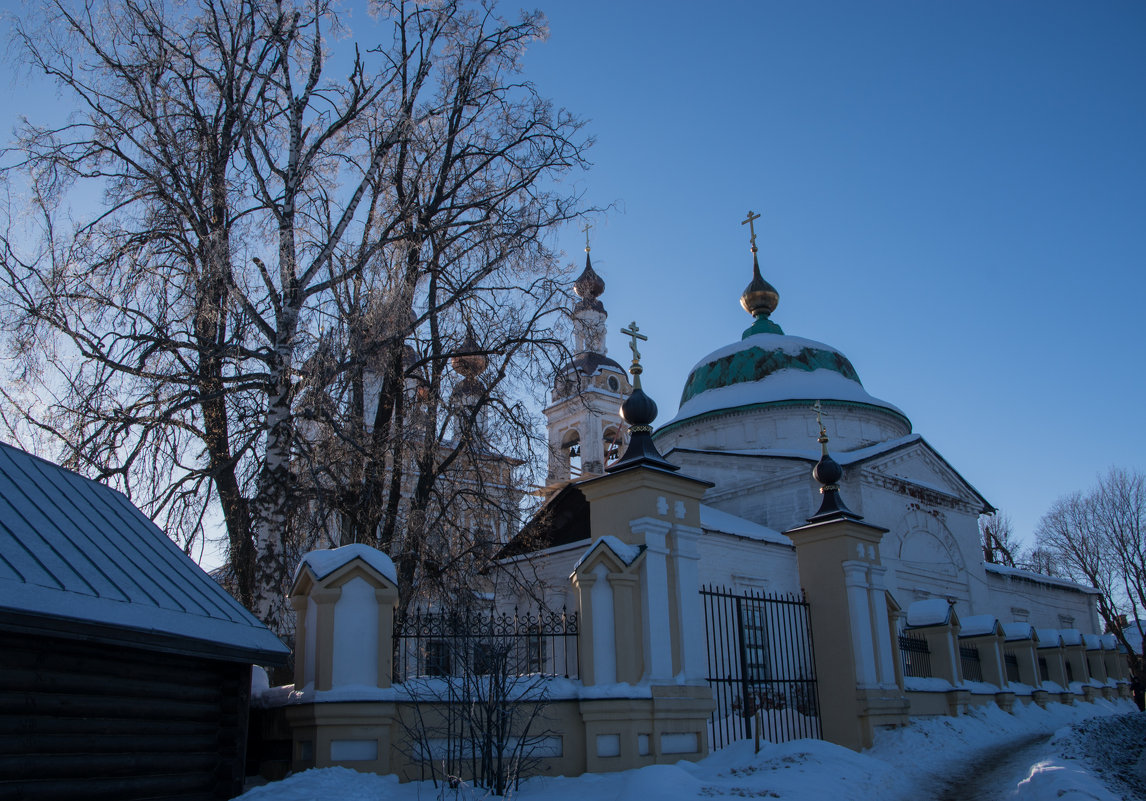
column 77, row 558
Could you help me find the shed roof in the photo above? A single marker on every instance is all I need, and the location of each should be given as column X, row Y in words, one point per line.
column 78, row 559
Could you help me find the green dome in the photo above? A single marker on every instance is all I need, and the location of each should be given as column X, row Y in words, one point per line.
column 770, row 369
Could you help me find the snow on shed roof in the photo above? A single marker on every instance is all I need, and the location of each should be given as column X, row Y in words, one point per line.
column 978, row 625
column 929, row 612
column 1019, row 631
column 324, row 562
column 77, row 556
column 1049, row 638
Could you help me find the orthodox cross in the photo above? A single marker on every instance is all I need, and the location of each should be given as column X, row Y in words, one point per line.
column 751, row 228
column 588, row 225
column 821, row 413
column 633, row 331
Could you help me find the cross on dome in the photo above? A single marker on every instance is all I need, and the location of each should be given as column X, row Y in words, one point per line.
column 751, row 228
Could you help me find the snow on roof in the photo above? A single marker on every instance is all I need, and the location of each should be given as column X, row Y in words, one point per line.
column 978, row 625
column 1092, row 642
column 74, row 551
column 724, row 523
column 626, row 553
column 782, row 385
column 1071, row 636
column 324, row 562
column 1018, row 631
column 1049, row 638
column 931, row 612
column 1109, row 642
column 1038, row 578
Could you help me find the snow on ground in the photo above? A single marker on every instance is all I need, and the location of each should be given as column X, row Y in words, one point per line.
column 1096, row 754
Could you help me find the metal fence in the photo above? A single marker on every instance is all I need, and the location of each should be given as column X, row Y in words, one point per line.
column 760, row 666
column 916, row 655
column 1011, row 663
column 467, row 641
column 971, row 664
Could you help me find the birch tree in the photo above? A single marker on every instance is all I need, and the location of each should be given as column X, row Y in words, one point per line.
column 237, row 280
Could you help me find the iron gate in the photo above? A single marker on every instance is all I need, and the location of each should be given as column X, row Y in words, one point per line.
column 760, row 666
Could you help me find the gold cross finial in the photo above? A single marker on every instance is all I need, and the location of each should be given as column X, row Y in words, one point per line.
column 634, row 332
column 751, row 228
column 588, row 225
column 821, row 413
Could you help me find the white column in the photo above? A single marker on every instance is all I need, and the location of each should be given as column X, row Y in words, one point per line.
column 859, row 616
column 604, row 628
column 687, row 592
column 657, row 632
column 880, row 631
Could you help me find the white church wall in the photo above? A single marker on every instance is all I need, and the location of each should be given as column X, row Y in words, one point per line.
column 849, row 427
column 745, row 564
column 1023, row 597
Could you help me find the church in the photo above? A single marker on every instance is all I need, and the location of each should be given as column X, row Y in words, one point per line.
column 749, row 415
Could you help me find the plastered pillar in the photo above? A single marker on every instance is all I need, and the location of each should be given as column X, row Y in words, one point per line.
column 835, row 558
column 686, row 557
column 657, row 629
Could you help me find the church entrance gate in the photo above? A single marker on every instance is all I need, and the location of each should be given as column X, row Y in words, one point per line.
column 760, row 666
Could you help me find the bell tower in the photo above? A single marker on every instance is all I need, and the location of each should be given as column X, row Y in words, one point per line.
column 586, row 432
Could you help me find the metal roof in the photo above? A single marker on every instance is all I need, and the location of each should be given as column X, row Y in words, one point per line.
column 78, row 559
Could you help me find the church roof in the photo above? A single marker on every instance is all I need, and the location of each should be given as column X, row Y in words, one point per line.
column 851, row 458
column 77, row 558
column 767, row 369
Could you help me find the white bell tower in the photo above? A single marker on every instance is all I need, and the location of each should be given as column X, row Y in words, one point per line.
column 586, row 432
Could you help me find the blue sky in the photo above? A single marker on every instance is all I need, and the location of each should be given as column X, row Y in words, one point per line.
column 953, row 194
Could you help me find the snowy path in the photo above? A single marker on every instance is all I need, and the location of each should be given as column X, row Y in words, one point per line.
column 993, row 774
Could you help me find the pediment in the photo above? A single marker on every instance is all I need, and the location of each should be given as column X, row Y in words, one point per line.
column 921, row 470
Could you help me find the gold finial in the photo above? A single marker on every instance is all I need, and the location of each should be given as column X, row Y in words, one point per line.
column 633, row 331
column 751, row 228
column 588, row 225
column 821, row 413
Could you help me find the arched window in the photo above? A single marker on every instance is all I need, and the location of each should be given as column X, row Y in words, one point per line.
column 571, row 447
column 614, row 445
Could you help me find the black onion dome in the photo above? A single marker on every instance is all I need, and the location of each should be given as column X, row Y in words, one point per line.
column 639, row 409
column 827, row 471
column 588, row 287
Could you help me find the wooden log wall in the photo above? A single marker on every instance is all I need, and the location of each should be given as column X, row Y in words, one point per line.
column 84, row 720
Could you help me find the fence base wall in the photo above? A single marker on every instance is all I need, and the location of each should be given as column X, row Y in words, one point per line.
column 576, row 736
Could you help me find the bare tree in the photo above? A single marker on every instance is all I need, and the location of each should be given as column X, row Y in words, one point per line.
column 1099, row 538
column 260, row 313
column 1000, row 545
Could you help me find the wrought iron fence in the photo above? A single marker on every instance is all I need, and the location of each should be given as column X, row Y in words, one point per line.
column 760, row 666
column 455, row 642
column 1011, row 663
column 970, row 662
column 916, row 655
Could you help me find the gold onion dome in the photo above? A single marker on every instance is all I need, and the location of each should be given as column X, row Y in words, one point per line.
column 470, row 362
column 759, row 298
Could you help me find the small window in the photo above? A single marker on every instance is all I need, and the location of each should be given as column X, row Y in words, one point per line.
column 614, row 384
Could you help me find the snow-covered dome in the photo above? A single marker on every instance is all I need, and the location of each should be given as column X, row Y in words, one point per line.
column 771, row 369
column 774, row 378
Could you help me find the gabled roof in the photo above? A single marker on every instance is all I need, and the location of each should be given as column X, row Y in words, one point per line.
column 561, row 520
column 859, row 456
column 77, row 559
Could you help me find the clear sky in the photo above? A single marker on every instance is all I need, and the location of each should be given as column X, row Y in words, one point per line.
column 953, row 194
